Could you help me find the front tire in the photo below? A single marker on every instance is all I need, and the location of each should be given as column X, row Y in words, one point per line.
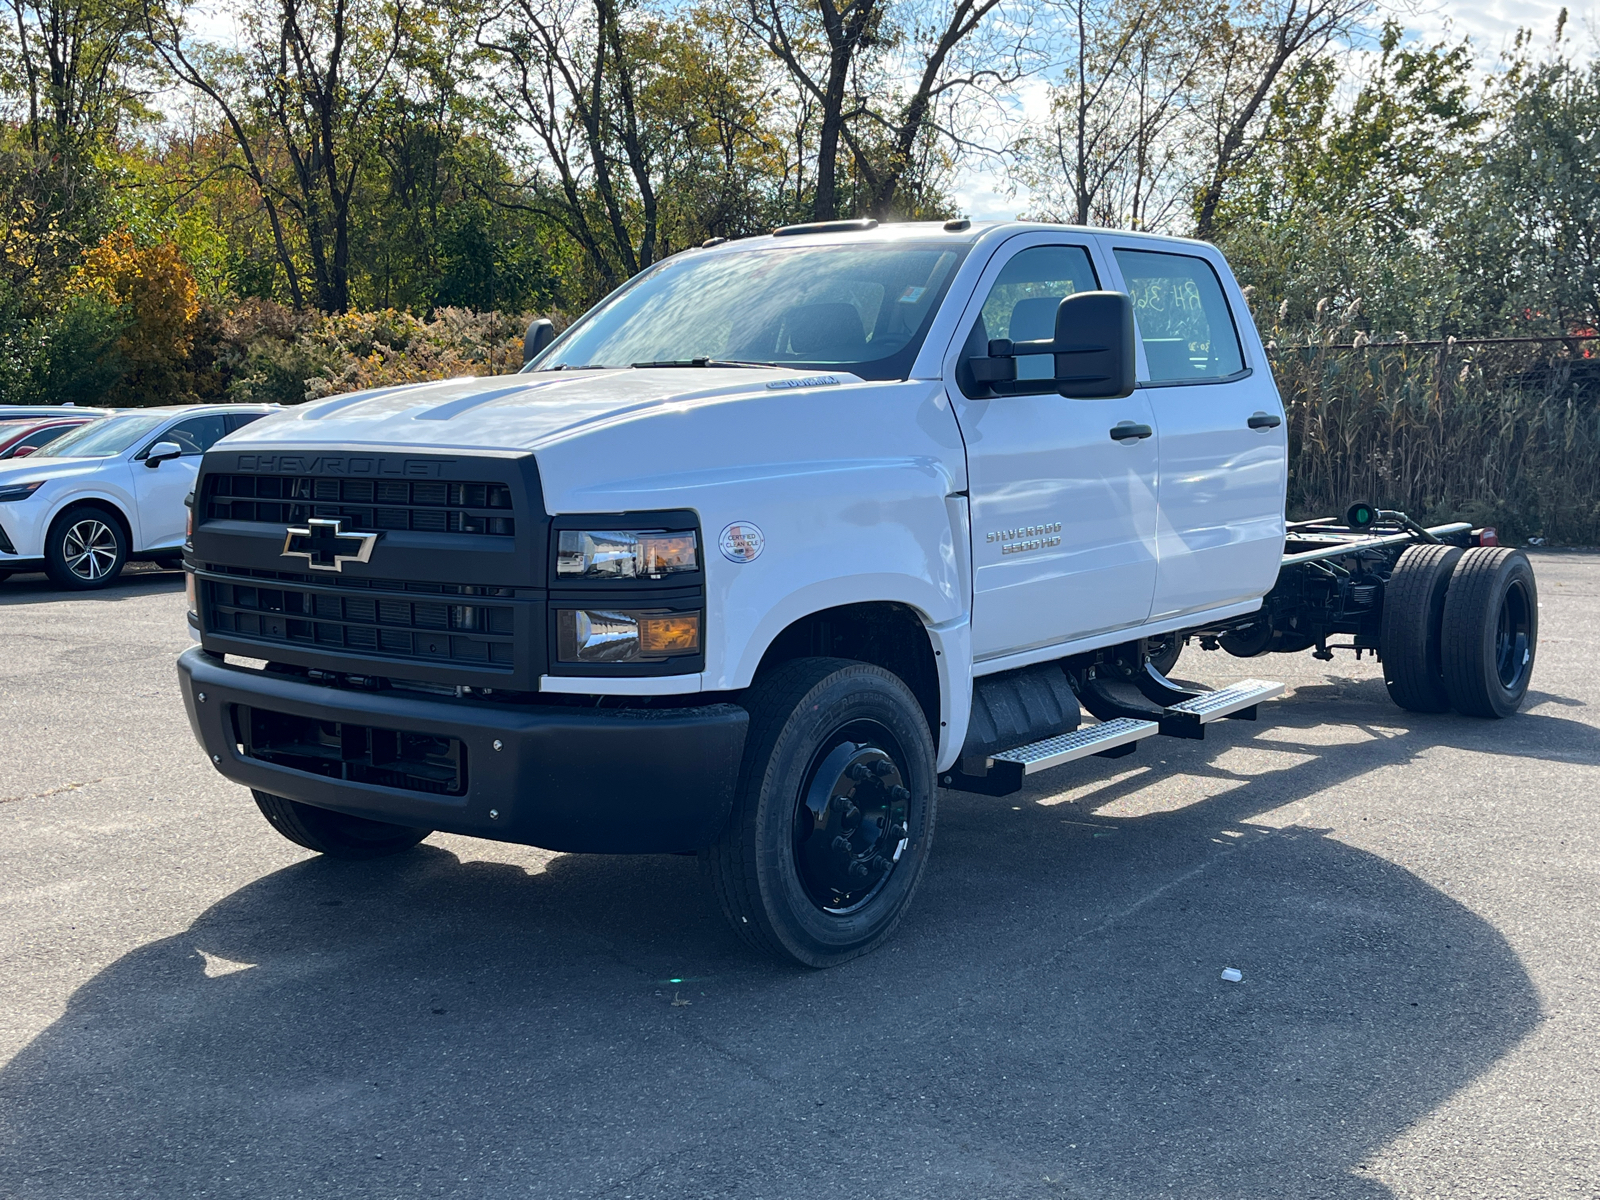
column 335, row 834
column 85, row 549
column 1490, row 632
column 834, row 815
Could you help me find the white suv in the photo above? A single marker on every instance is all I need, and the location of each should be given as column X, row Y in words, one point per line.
column 82, row 506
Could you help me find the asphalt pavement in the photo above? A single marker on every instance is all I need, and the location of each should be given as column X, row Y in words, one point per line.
column 192, row 1006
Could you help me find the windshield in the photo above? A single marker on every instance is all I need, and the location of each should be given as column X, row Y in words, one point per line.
column 864, row 309
column 102, row 438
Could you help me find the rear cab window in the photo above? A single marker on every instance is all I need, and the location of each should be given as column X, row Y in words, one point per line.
column 1183, row 317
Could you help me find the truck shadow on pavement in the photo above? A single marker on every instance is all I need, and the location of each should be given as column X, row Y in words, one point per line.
column 1049, row 1021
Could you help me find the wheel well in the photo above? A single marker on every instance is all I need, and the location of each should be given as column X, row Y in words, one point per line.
column 885, row 634
column 105, row 506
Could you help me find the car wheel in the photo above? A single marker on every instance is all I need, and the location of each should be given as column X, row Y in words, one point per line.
column 335, row 834
column 1490, row 632
column 834, row 815
column 85, row 549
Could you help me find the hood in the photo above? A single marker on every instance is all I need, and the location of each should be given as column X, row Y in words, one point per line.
column 15, row 470
column 514, row 412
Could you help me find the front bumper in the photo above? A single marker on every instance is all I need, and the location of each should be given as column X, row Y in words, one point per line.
column 607, row 781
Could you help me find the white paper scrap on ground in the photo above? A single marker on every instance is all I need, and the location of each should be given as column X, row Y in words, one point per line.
column 1232, row 975
column 217, row 967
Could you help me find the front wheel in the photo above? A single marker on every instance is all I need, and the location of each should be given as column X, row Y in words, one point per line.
column 85, row 549
column 834, row 815
column 335, row 834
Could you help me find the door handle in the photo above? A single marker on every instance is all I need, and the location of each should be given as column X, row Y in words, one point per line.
column 1128, row 431
column 1264, row 420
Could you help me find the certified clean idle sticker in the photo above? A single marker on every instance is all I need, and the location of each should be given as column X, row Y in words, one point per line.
column 742, row 542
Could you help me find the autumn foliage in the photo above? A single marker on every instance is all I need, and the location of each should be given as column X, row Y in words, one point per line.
column 158, row 300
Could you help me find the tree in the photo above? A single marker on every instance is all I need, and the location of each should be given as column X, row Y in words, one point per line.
column 1105, row 154
column 847, row 60
column 1251, row 50
column 297, row 96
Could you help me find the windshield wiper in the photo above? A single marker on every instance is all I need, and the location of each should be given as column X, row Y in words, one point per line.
column 701, row 362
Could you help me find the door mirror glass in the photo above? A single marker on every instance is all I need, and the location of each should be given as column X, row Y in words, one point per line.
column 161, row 452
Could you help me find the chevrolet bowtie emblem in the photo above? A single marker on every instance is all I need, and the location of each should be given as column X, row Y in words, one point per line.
column 325, row 545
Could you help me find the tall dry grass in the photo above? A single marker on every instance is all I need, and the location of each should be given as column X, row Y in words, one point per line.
column 1502, row 434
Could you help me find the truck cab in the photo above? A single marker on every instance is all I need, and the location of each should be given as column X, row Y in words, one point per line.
column 779, row 539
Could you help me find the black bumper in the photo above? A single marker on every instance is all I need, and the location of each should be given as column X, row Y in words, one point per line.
column 607, row 781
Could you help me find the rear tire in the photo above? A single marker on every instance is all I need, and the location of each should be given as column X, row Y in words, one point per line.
column 1413, row 612
column 1490, row 632
column 833, row 819
column 85, row 549
column 335, row 834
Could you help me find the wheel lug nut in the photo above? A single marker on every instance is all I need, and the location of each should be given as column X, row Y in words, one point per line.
column 899, row 793
column 861, row 772
column 858, row 870
column 841, row 845
column 882, row 767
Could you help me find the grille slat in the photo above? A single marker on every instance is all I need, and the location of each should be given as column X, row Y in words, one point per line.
column 471, row 634
column 475, row 509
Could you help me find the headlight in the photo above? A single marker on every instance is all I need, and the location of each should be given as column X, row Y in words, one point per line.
column 586, row 635
column 20, row 491
column 625, row 554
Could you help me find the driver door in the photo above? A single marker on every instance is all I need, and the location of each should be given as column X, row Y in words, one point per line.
column 1063, row 513
column 161, row 490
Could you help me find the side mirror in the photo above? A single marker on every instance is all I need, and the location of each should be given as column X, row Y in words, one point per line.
column 161, row 452
column 22, row 452
column 540, row 334
column 1093, row 349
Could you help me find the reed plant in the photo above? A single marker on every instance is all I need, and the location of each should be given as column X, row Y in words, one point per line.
column 1504, row 433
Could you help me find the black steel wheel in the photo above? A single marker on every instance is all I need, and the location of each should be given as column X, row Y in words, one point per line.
column 335, row 834
column 834, row 816
column 85, row 548
column 1490, row 632
column 1409, row 637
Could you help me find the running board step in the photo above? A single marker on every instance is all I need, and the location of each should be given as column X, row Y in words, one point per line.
column 1237, row 701
column 1108, row 736
column 1109, row 739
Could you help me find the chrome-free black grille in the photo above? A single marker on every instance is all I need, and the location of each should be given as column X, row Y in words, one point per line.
column 416, row 762
column 383, row 585
column 387, row 626
column 428, row 506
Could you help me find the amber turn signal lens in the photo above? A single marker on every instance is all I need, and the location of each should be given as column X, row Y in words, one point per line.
column 678, row 633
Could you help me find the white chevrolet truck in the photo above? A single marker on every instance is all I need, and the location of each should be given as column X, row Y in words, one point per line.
column 783, row 537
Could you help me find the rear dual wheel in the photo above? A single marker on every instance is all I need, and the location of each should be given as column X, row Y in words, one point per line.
column 1490, row 632
column 834, row 814
column 1460, row 630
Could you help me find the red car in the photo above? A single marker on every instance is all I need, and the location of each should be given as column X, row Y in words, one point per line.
column 20, row 438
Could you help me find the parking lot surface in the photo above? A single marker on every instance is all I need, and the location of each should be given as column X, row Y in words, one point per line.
column 192, row 1006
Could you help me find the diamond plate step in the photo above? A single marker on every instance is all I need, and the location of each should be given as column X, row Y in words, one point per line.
column 1224, row 702
column 1081, row 743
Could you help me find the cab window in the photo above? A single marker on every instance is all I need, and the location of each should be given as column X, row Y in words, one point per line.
column 1182, row 315
column 1022, row 306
